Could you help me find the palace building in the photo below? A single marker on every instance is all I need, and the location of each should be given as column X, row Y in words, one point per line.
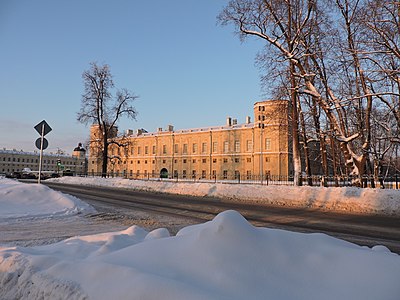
column 248, row 151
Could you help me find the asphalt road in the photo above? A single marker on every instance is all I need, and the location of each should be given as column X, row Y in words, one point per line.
column 366, row 230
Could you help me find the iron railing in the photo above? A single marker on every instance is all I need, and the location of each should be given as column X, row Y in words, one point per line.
column 387, row 182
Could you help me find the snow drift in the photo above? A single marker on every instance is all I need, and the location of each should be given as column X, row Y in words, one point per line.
column 226, row 258
column 18, row 200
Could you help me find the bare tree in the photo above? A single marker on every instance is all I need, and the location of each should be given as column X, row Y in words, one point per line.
column 99, row 106
column 298, row 32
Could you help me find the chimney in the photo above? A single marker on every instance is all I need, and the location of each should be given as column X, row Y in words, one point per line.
column 170, row 128
column 129, row 132
column 234, row 121
column 159, row 129
column 248, row 120
column 228, row 121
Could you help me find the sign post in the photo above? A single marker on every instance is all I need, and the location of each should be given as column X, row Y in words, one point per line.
column 41, row 143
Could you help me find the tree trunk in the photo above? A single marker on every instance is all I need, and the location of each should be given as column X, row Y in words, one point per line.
column 105, row 152
column 321, row 138
column 295, row 129
column 306, row 152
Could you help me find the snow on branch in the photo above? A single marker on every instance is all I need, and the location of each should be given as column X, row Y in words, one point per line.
column 347, row 139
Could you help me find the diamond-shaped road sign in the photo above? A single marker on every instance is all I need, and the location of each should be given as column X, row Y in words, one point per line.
column 43, row 126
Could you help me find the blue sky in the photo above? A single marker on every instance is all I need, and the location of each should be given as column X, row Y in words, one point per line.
column 187, row 70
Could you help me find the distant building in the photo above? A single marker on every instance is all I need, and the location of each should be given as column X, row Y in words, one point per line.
column 252, row 150
column 12, row 161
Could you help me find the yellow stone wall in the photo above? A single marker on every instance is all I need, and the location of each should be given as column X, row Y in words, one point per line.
column 249, row 150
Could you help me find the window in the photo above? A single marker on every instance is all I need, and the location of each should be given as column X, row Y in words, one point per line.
column 145, row 162
column 185, row 149
column 249, row 146
column 154, row 149
column 267, row 159
column 214, row 173
column 204, row 147
column 194, row 161
column 225, row 160
column 175, row 173
column 194, row 148
column 203, row 174
column 248, row 175
column 184, row 161
column 267, row 144
column 183, row 173
column 139, row 150
column 214, row 160
column 215, row 147
column 176, row 148
column 237, row 159
column 249, row 159
column 225, row 174
column 146, row 150
column 138, row 162
column 237, row 146
column 164, row 149
column 204, row 160
column 226, row 146
column 194, row 174
column 237, row 174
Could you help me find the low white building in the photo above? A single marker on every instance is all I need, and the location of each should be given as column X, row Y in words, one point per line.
column 14, row 161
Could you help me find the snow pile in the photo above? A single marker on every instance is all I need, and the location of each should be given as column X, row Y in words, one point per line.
column 34, row 200
column 226, row 258
column 348, row 199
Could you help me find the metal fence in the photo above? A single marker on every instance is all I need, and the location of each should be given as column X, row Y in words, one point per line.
column 392, row 182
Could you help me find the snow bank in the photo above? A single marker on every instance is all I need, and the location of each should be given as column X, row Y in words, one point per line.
column 349, row 199
column 34, row 200
column 226, row 258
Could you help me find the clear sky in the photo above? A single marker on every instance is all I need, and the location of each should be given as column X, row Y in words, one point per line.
column 186, row 69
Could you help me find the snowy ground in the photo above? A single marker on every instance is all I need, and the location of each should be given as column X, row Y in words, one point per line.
column 226, row 258
column 343, row 199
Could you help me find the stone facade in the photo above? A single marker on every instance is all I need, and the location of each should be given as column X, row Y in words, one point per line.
column 232, row 151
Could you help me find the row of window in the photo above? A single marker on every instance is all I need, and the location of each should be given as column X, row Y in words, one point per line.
column 194, row 148
column 204, row 160
column 184, row 174
column 18, row 159
column 33, row 160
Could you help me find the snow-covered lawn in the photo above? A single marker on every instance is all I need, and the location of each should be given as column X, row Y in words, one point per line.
column 226, row 258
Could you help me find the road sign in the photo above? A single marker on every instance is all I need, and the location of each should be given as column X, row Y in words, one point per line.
column 43, row 128
column 41, row 143
column 38, row 143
